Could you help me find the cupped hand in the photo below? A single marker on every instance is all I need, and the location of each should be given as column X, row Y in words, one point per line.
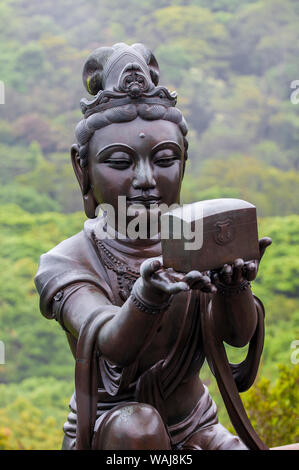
column 240, row 271
column 170, row 282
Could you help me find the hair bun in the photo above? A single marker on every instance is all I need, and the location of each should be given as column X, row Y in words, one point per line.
column 93, row 69
column 97, row 67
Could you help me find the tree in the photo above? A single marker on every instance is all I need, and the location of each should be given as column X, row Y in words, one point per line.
column 274, row 409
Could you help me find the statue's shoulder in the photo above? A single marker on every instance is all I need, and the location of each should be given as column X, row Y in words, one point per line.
column 71, row 261
column 76, row 247
column 72, row 246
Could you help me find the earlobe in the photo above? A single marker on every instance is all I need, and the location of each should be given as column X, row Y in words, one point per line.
column 184, row 163
column 90, row 205
column 89, row 202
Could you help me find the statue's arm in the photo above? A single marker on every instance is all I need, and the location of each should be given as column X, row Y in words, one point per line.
column 125, row 332
column 235, row 315
column 235, row 309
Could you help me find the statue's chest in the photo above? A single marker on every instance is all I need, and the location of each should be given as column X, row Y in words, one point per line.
column 121, row 272
column 168, row 329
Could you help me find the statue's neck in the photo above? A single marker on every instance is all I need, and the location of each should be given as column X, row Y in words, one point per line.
column 149, row 247
column 123, row 238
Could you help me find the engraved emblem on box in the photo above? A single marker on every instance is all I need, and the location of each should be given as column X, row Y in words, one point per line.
column 224, row 232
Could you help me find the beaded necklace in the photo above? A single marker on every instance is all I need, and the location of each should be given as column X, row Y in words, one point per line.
column 126, row 276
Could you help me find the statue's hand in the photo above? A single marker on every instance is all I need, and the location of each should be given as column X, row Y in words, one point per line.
column 163, row 282
column 240, row 271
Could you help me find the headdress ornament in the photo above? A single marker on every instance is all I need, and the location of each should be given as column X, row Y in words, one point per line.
column 121, row 75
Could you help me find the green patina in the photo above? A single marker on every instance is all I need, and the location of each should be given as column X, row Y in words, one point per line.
column 87, row 82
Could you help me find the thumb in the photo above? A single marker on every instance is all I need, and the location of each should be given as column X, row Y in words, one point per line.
column 149, row 266
column 263, row 245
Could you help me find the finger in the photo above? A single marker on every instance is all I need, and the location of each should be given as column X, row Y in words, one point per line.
column 250, row 271
column 226, row 274
column 193, row 277
column 209, row 288
column 263, row 245
column 237, row 270
column 200, row 283
column 177, row 287
column 167, row 276
column 214, row 277
column 173, row 275
column 169, row 288
column 205, row 282
column 205, row 285
column 149, row 266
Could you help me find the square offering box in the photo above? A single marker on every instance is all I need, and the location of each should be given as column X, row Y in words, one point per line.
column 206, row 235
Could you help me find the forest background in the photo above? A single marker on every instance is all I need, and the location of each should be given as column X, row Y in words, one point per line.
column 233, row 64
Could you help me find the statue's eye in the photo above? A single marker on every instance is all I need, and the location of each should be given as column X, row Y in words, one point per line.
column 165, row 161
column 165, row 158
column 119, row 160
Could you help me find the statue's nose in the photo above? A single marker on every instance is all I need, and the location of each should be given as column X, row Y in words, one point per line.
column 144, row 177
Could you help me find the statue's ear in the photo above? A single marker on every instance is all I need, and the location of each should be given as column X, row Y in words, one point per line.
column 89, row 202
column 81, row 173
column 184, row 163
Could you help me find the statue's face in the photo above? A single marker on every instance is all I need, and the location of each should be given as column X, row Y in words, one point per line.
column 142, row 160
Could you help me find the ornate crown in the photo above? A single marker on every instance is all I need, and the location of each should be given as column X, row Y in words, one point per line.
column 121, row 75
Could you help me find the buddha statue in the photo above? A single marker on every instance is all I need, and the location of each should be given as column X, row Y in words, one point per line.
column 133, row 325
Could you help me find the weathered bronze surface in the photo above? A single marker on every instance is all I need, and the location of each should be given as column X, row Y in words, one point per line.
column 139, row 331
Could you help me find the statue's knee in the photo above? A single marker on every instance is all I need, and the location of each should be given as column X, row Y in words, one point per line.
column 132, row 427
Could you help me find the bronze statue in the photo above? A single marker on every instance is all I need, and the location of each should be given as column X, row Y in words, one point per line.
column 135, row 327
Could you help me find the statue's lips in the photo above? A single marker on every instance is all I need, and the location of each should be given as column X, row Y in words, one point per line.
column 145, row 201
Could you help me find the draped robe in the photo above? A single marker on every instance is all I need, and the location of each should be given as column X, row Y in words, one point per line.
column 101, row 385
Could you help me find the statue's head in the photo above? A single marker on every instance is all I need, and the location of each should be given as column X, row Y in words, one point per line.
column 132, row 140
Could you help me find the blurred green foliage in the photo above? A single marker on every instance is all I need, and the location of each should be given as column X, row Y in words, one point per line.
column 232, row 63
column 272, row 404
column 37, row 377
column 31, row 415
column 274, row 409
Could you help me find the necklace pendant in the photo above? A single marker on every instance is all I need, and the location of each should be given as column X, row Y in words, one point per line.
column 120, row 270
column 124, row 294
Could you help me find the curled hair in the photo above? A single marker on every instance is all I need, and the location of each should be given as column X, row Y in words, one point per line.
column 87, row 127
